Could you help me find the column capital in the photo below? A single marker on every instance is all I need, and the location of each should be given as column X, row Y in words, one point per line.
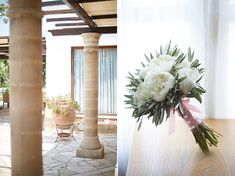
column 91, row 42
column 24, row 8
column 91, row 38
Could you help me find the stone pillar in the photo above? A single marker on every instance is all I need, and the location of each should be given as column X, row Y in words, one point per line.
column 26, row 87
column 90, row 146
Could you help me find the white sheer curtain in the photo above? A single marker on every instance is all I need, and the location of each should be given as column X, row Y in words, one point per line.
column 78, row 77
column 107, row 79
column 205, row 25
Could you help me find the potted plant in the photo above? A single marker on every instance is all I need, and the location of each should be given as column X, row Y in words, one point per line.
column 63, row 109
column 4, row 81
column 5, row 96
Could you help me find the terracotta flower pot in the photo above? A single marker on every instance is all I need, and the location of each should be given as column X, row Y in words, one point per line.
column 5, row 98
column 64, row 120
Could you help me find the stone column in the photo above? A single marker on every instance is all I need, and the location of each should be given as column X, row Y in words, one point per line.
column 26, row 87
column 90, row 146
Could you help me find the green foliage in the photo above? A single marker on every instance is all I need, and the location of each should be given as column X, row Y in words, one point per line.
column 4, row 74
column 62, row 105
column 3, row 11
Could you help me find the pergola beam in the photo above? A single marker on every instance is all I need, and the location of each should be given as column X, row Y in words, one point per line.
column 76, row 7
column 63, row 19
column 4, row 48
column 79, row 31
column 69, row 24
column 52, row 3
column 60, row 2
column 88, row 1
column 94, row 17
column 56, row 12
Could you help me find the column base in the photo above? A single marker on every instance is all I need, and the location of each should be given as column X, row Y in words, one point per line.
column 97, row 153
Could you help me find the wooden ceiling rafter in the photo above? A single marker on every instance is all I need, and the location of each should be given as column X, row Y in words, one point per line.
column 52, row 3
column 63, row 19
column 72, row 4
column 104, row 23
column 79, row 31
column 4, row 48
column 61, row 2
column 57, row 12
column 95, row 17
column 70, row 24
column 89, row 1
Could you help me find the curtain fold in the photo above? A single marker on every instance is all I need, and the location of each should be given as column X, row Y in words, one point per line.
column 78, row 77
column 107, row 79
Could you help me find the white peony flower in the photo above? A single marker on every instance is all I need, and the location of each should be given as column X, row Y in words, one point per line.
column 144, row 72
column 162, row 63
column 141, row 95
column 159, row 84
column 192, row 75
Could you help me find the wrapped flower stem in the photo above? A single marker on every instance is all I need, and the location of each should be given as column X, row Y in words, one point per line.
column 204, row 135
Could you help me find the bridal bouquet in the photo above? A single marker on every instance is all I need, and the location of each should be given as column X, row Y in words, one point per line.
column 164, row 86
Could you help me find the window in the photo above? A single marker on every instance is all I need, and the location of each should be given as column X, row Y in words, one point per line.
column 107, row 78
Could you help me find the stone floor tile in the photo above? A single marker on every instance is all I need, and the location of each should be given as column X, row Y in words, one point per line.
column 110, row 173
column 81, row 168
column 97, row 164
column 66, row 172
column 5, row 171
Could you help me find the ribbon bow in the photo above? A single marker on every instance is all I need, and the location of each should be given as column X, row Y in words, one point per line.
column 191, row 120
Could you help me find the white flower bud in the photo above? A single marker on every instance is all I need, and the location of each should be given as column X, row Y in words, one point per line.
column 141, row 95
column 192, row 75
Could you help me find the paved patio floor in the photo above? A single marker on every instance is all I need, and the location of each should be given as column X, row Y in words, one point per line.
column 59, row 159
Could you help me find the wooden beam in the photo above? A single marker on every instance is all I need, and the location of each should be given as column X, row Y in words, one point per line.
column 70, row 24
column 87, row 1
column 95, row 17
column 63, row 19
column 3, row 57
column 60, row 2
column 4, row 51
column 72, row 4
column 79, row 31
column 52, row 3
column 4, row 48
column 55, row 12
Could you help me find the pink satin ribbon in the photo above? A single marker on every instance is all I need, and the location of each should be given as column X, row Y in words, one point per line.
column 191, row 120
